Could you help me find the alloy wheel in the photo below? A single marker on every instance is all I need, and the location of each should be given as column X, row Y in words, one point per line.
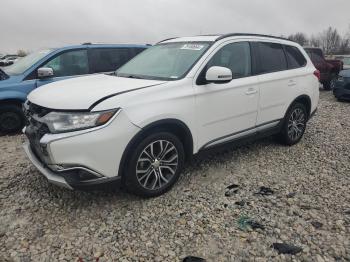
column 157, row 164
column 296, row 124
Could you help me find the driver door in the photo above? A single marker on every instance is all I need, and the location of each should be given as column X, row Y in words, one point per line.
column 226, row 111
column 66, row 65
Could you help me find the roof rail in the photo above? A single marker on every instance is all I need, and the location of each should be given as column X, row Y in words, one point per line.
column 247, row 34
column 167, row 39
column 87, row 43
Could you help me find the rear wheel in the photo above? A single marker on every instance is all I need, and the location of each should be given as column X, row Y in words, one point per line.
column 294, row 124
column 329, row 85
column 11, row 119
column 155, row 165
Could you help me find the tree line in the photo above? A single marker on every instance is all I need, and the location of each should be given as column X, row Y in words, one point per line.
column 330, row 40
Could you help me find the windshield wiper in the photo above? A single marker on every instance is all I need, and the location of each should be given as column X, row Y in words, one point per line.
column 130, row 76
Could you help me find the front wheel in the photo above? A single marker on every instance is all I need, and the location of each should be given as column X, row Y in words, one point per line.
column 155, row 165
column 11, row 119
column 294, row 124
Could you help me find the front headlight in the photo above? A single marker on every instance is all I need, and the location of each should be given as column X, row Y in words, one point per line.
column 59, row 122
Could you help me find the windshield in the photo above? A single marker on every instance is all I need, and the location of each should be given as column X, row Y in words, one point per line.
column 164, row 61
column 26, row 62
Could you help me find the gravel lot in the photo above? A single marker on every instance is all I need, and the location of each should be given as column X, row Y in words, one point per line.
column 309, row 207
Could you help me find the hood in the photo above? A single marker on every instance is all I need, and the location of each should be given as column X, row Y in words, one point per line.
column 84, row 93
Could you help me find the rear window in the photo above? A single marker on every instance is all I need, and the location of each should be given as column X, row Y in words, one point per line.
column 272, row 57
column 294, row 57
column 109, row 59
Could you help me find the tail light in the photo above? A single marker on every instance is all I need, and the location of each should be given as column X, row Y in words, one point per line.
column 317, row 74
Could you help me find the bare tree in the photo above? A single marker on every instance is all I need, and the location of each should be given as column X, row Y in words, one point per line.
column 330, row 40
column 344, row 47
column 315, row 41
column 300, row 38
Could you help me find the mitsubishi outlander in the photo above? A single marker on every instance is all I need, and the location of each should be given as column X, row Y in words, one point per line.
column 183, row 95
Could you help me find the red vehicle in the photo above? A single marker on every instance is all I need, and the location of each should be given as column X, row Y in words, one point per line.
column 329, row 69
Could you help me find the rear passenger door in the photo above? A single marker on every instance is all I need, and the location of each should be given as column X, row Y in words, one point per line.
column 276, row 82
column 107, row 60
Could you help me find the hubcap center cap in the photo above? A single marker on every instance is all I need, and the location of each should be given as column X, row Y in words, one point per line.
column 156, row 164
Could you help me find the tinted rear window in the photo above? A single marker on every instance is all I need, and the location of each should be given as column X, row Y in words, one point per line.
column 295, row 57
column 272, row 57
column 108, row 59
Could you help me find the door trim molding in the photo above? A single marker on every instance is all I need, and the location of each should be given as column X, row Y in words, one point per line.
column 237, row 135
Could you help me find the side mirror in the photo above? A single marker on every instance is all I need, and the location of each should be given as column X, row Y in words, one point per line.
column 218, row 74
column 45, row 72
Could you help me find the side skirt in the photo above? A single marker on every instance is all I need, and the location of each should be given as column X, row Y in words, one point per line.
column 258, row 134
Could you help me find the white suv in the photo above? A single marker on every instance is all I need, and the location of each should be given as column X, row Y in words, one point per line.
column 177, row 98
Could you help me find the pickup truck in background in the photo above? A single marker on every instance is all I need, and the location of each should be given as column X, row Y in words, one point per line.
column 329, row 68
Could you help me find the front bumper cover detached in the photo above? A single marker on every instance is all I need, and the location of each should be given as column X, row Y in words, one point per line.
column 70, row 179
column 51, row 176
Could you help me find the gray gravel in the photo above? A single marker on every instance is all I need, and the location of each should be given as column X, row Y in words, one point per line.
column 310, row 206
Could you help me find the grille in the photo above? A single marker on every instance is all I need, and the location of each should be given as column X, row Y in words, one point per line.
column 32, row 112
column 35, row 129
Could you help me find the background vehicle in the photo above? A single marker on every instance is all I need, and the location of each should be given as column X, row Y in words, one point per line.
column 47, row 66
column 329, row 69
column 342, row 86
column 179, row 97
column 8, row 60
column 345, row 59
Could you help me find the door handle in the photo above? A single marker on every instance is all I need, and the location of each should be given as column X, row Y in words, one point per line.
column 251, row 91
column 291, row 83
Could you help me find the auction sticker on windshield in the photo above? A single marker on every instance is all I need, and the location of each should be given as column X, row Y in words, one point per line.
column 192, row 47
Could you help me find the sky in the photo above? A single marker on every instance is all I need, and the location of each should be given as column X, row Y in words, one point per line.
column 37, row 24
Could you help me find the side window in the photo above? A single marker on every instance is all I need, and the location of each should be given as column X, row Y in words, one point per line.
column 235, row 56
column 295, row 57
column 272, row 57
column 69, row 63
column 108, row 59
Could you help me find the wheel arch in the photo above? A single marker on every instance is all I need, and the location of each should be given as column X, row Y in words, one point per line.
column 9, row 101
column 303, row 99
column 174, row 126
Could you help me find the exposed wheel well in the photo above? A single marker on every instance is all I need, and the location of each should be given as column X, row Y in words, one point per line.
column 173, row 126
column 305, row 100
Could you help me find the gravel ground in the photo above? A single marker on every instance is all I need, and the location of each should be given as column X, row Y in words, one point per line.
column 308, row 208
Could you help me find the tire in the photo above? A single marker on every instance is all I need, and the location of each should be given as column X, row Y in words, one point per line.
column 11, row 119
column 294, row 124
column 146, row 174
column 329, row 85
